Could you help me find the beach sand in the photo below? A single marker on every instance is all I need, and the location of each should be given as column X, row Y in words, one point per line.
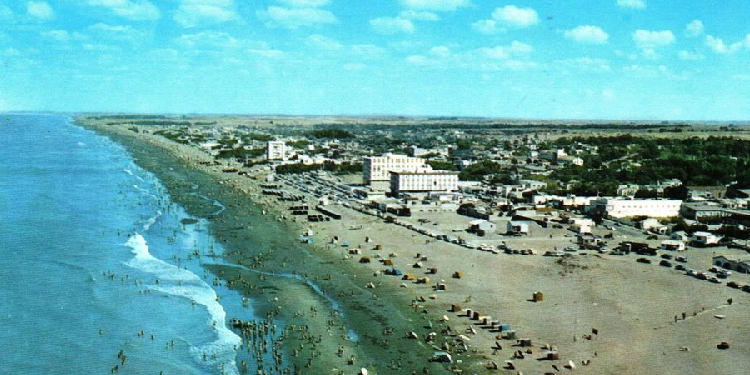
column 632, row 306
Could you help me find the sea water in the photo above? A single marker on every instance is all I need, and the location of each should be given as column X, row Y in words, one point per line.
column 95, row 260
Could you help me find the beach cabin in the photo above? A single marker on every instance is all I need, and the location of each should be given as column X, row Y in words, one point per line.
column 703, row 239
column 673, row 245
column 517, row 227
column 482, row 227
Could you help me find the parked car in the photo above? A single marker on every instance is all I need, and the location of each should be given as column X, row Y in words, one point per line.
column 665, row 263
column 679, row 267
column 681, row 259
column 643, row 260
column 666, row 256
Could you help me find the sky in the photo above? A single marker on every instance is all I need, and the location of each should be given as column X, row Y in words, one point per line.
column 546, row 59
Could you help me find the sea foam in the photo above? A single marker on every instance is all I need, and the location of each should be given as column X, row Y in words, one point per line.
column 220, row 353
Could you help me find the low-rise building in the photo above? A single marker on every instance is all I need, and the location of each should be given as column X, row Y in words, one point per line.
column 700, row 212
column 673, row 245
column 704, row 239
column 425, row 181
column 620, row 208
column 517, row 227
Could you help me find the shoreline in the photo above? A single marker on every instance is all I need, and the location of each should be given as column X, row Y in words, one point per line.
column 366, row 313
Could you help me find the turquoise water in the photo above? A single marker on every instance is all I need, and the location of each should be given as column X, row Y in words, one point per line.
column 92, row 252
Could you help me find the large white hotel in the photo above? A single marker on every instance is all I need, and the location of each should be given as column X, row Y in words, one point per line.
column 378, row 168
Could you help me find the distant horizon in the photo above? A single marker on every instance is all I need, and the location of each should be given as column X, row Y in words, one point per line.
column 389, row 116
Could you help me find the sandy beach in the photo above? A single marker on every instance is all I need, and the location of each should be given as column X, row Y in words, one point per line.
column 604, row 314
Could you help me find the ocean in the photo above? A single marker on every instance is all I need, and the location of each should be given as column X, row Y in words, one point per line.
column 97, row 265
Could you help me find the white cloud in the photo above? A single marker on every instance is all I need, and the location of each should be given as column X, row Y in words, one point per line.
column 40, row 9
column 293, row 18
column 418, row 15
column 689, row 56
column 214, row 39
column 694, row 28
column 514, row 16
column 587, row 34
column 391, row 25
column 717, row 45
column 437, row 5
column 487, row 27
column 305, row 3
column 139, row 10
column 631, row 4
column 516, row 48
column 318, row 41
column 646, row 39
column 193, row 13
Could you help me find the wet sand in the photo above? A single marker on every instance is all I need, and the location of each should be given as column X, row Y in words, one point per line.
column 262, row 243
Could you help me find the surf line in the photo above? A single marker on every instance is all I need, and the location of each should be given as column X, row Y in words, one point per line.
column 335, row 305
column 174, row 281
column 215, row 202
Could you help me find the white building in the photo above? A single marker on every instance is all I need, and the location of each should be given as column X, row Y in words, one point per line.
column 377, row 168
column 424, row 181
column 276, row 150
column 704, row 239
column 619, row 208
column 517, row 227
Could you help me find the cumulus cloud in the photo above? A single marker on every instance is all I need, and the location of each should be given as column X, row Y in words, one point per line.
column 487, row 27
column 514, row 16
column 717, row 44
column 191, row 13
column 694, row 28
column 293, row 18
column 436, row 5
column 516, row 48
column 587, row 34
column 646, row 39
column 137, row 10
column 208, row 39
column 391, row 25
column 631, row 4
column 40, row 10
column 689, row 56
column 507, row 16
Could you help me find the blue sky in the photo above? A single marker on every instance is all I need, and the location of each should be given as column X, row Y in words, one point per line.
column 603, row 59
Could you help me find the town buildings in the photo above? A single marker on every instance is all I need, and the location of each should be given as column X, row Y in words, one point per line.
column 378, row 168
